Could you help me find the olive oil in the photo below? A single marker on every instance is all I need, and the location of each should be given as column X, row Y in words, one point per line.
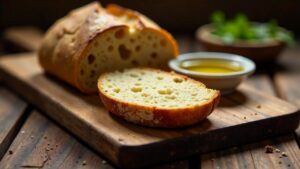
column 212, row 66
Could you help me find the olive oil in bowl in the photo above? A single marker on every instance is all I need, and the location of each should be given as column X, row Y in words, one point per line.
column 222, row 71
column 212, row 66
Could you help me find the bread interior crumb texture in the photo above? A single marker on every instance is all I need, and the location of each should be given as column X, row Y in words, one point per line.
column 154, row 88
column 123, row 47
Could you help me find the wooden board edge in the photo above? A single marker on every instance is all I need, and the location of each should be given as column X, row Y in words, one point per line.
column 154, row 152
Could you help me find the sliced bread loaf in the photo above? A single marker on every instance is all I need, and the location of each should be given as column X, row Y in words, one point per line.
column 92, row 40
column 156, row 98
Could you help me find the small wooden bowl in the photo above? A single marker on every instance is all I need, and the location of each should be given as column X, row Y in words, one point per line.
column 259, row 52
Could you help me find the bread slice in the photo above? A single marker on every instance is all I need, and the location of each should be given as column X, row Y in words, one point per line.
column 156, row 98
column 92, row 40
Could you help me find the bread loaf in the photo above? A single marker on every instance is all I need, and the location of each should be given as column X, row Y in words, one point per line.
column 92, row 40
column 155, row 98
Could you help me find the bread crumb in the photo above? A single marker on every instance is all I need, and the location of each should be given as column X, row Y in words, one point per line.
column 269, row 149
column 277, row 150
column 84, row 162
column 284, row 154
column 103, row 162
column 258, row 106
column 23, row 131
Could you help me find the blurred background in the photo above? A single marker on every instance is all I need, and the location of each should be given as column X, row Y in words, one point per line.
column 175, row 16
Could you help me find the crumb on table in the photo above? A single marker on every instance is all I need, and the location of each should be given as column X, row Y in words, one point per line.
column 269, row 149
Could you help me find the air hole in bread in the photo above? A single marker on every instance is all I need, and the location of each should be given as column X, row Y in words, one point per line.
column 132, row 40
column 133, row 75
column 154, row 55
column 138, row 48
column 159, row 78
column 82, row 72
column 149, row 37
column 134, row 63
column 91, row 59
column 171, row 97
column 92, row 73
column 136, row 89
column 124, row 52
column 149, row 63
column 165, row 91
column 177, row 80
column 154, row 45
column 194, row 94
column 117, row 90
column 73, row 40
column 110, row 48
column 108, row 39
column 145, row 94
column 120, row 34
column 163, row 42
column 138, row 84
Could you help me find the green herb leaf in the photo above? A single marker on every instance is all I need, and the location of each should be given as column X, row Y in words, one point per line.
column 240, row 28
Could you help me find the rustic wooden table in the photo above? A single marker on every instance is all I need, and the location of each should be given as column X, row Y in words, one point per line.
column 29, row 139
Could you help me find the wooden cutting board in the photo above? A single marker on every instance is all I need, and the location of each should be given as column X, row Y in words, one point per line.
column 245, row 116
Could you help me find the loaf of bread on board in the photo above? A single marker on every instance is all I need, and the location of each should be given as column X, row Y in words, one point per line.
column 92, row 40
column 155, row 98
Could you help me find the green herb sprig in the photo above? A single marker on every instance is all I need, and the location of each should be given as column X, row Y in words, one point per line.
column 240, row 28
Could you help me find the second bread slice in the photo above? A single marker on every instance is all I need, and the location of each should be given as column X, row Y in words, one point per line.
column 156, row 98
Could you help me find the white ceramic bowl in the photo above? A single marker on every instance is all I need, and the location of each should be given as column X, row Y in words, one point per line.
column 225, row 82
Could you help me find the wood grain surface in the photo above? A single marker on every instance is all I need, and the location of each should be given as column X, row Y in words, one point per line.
column 42, row 144
column 124, row 143
column 254, row 156
column 12, row 111
column 287, row 78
